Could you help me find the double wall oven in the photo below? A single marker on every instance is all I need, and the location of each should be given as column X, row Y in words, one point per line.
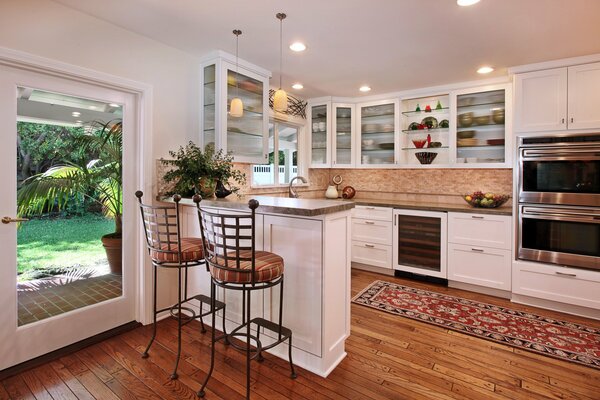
column 559, row 200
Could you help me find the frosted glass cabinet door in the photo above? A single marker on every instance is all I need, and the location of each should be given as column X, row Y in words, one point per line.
column 378, row 133
column 319, row 138
column 342, row 135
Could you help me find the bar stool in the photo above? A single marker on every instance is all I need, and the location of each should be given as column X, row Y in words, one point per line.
column 235, row 264
column 168, row 249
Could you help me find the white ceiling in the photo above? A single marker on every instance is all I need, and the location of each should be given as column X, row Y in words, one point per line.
column 390, row 45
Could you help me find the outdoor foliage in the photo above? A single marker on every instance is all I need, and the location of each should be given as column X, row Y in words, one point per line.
column 94, row 172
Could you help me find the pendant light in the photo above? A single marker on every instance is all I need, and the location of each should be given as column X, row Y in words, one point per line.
column 236, row 108
column 280, row 99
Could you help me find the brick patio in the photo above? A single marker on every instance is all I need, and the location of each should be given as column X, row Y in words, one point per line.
column 44, row 298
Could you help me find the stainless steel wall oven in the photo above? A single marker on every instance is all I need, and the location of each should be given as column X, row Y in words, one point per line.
column 559, row 200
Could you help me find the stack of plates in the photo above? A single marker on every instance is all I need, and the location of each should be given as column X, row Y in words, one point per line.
column 466, row 142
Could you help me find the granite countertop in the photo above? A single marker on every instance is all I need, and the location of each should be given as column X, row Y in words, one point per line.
column 433, row 206
column 275, row 205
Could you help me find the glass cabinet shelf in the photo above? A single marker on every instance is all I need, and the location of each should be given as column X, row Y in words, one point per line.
column 443, row 110
column 424, row 131
column 425, row 148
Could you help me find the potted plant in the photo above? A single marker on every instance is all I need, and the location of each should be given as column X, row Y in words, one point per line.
column 197, row 172
column 99, row 180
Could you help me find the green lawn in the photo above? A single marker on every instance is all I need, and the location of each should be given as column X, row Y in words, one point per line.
column 49, row 246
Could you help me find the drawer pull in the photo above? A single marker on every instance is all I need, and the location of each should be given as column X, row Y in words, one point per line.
column 369, row 208
column 564, row 274
column 476, row 217
column 369, row 222
column 369, row 246
column 477, row 250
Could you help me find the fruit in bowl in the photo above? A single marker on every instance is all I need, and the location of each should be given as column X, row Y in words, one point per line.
column 485, row 200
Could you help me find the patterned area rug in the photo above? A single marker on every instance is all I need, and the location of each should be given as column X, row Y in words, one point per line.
column 560, row 339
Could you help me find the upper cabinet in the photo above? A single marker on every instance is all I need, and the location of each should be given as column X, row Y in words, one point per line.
column 482, row 126
column 332, row 134
column 378, row 133
column 558, row 99
column 425, row 138
column 319, row 138
column 343, row 135
column 246, row 136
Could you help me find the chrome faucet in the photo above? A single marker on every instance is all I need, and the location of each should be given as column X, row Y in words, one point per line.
column 292, row 192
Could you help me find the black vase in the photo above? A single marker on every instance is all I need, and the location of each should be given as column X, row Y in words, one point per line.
column 221, row 191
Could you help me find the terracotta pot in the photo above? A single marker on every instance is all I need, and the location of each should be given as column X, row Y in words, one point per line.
column 113, row 245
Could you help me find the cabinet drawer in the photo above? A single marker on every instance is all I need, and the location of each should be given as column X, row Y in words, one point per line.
column 480, row 230
column 479, row 266
column 565, row 285
column 372, row 231
column 369, row 212
column 377, row 255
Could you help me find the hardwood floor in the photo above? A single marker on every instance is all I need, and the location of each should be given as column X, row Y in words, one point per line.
column 389, row 357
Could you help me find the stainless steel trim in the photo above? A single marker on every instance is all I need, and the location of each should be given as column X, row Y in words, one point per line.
column 558, row 150
column 575, row 199
column 520, row 140
column 561, row 214
column 562, row 259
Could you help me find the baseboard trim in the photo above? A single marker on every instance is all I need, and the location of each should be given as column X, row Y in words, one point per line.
column 72, row 348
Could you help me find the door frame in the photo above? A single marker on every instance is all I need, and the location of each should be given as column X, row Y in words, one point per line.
column 144, row 177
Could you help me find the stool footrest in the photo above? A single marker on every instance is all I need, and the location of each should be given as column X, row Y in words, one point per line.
column 272, row 326
column 219, row 305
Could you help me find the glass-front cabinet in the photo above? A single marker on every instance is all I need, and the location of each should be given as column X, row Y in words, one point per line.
column 343, row 136
column 319, row 120
column 425, row 137
column 482, row 126
column 246, row 136
column 378, row 133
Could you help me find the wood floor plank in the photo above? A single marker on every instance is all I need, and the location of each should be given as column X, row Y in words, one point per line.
column 3, row 393
column 36, row 386
column 17, row 388
column 55, row 386
column 96, row 386
column 71, row 381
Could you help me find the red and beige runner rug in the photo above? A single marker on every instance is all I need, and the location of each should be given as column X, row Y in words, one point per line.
column 560, row 339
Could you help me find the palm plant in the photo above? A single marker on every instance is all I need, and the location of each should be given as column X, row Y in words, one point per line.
column 99, row 179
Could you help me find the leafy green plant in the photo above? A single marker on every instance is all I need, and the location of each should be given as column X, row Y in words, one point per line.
column 196, row 172
column 98, row 179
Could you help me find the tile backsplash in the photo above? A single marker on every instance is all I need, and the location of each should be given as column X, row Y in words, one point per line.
column 441, row 185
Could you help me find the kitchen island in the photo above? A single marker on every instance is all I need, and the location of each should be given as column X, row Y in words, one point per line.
column 313, row 237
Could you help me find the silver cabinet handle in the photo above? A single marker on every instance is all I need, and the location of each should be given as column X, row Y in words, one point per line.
column 369, row 208
column 476, row 217
column 564, row 274
column 369, row 246
column 477, row 250
column 369, row 222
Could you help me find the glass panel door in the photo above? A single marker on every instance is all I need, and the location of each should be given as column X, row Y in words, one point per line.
column 245, row 133
column 319, row 138
column 480, row 129
column 344, row 136
column 377, row 134
column 209, row 94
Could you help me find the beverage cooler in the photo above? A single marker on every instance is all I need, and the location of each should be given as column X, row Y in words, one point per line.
column 420, row 242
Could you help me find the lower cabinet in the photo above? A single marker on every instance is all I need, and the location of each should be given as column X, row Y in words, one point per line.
column 372, row 236
column 377, row 255
column 479, row 266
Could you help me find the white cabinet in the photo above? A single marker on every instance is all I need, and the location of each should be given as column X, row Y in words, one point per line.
column 332, row 134
column 343, row 136
column 558, row 99
column 246, row 136
column 372, row 236
column 561, row 284
column 479, row 249
column 319, row 138
column 378, row 126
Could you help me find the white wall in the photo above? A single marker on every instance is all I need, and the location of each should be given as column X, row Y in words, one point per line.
column 48, row 29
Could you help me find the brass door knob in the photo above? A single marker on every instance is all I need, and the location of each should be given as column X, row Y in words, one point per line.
column 8, row 220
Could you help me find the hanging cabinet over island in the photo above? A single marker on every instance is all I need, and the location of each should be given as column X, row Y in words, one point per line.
column 247, row 136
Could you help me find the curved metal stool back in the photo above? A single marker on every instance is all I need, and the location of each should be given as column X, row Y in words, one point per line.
column 167, row 249
column 233, row 261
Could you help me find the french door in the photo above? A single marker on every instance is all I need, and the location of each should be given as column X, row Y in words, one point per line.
column 65, row 320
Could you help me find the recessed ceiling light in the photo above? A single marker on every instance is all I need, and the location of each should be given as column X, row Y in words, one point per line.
column 365, row 88
column 114, row 105
column 465, row 3
column 297, row 86
column 75, row 113
column 297, row 46
column 79, row 122
column 485, row 70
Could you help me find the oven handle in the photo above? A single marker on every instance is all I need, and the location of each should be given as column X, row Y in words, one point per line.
column 560, row 214
column 589, row 153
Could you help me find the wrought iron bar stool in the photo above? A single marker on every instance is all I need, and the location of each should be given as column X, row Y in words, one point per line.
column 168, row 249
column 235, row 264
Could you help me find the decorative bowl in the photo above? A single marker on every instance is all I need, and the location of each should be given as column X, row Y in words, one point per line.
column 465, row 120
column 433, row 145
column 444, row 124
column 348, row 192
column 419, row 143
column 425, row 157
column 465, row 134
column 482, row 119
column 485, row 200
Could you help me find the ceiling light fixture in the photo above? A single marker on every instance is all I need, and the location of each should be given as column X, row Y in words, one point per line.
column 365, row 88
column 236, row 108
column 280, row 99
column 114, row 105
column 298, row 86
column 297, row 46
column 485, row 70
column 465, row 3
column 75, row 113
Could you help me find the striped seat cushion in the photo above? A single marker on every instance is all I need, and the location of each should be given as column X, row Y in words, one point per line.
column 191, row 250
column 268, row 266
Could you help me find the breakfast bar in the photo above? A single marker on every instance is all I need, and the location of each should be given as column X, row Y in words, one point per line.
column 313, row 237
